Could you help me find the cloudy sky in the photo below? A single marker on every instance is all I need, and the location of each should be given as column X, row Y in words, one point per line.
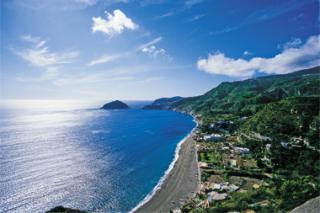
column 140, row 50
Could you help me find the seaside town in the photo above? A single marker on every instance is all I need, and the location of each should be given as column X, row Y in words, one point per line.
column 235, row 177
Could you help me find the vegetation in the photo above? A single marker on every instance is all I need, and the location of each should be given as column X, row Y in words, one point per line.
column 278, row 119
column 163, row 103
column 245, row 98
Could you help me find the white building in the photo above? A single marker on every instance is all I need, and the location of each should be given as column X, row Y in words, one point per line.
column 213, row 137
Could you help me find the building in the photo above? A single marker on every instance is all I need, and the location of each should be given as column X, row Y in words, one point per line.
column 241, row 150
column 213, row 137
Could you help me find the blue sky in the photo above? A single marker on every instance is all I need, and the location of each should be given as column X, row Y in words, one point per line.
column 142, row 50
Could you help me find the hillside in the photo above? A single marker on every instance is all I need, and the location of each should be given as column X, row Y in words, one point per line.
column 245, row 98
column 292, row 117
column 269, row 131
column 163, row 103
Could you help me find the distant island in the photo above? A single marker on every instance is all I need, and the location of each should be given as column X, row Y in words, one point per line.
column 163, row 103
column 115, row 105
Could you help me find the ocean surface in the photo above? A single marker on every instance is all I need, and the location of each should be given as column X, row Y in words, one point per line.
column 95, row 160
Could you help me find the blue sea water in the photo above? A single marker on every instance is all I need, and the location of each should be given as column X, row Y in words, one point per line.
column 95, row 160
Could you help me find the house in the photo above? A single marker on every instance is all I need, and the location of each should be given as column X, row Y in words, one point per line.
column 284, row 144
column 241, row 150
column 233, row 188
column 203, row 164
column 214, row 196
column 176, row 211
column 243, row 118
column 232, row 163
column 213, row 137
column 256, row 186
column 268, row 147
column 224, row 148
column 217, row 186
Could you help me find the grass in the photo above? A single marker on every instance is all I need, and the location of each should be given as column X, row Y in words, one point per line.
column 209, row 157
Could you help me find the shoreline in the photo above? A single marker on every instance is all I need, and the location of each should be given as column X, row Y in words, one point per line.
column 179, row 183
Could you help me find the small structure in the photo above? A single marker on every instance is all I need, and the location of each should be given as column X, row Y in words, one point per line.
column 233, row 188
column 203, row 164
column 232, row 163
column 284, row 144
column 241, row 150
column 213, row 137
column 224, row 148
column 214, row 196
column 226, row 187
column 176, row 211
column 268, row 147
column 256, row 186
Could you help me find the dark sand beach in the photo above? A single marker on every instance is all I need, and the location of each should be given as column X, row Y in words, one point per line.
column 181, row 183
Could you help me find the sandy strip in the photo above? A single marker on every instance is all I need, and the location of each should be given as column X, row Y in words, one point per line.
column 181, row 183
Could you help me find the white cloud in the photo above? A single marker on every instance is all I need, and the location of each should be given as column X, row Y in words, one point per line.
column 150, row 49
column 144, row 48
column 63, row 4
column 154, row 41
column 123, row 73
column 106, row 59
column 294, row 42
column 197, row 17
column 290, row 59
column 153, row 51
column 30, row 38
column 40, row 55
column 115, row 23
column 190, row 3
column 86, row 2
column 247, row 53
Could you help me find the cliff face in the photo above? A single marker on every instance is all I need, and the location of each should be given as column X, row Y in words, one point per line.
column 115, row 105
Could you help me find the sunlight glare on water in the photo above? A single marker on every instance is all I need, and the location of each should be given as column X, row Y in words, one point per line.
column 54, row 153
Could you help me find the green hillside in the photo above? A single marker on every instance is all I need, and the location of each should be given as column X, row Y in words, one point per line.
column 245, row 98
column 277, row 118
column 291, row 117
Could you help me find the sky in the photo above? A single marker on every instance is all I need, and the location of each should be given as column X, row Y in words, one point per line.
column 143, row 50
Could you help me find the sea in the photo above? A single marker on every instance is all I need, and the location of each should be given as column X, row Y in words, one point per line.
column 85, row 158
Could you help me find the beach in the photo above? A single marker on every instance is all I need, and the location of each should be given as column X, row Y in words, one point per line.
column 180, row 185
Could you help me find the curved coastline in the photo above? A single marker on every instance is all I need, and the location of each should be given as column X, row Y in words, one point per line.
column 165, row 178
